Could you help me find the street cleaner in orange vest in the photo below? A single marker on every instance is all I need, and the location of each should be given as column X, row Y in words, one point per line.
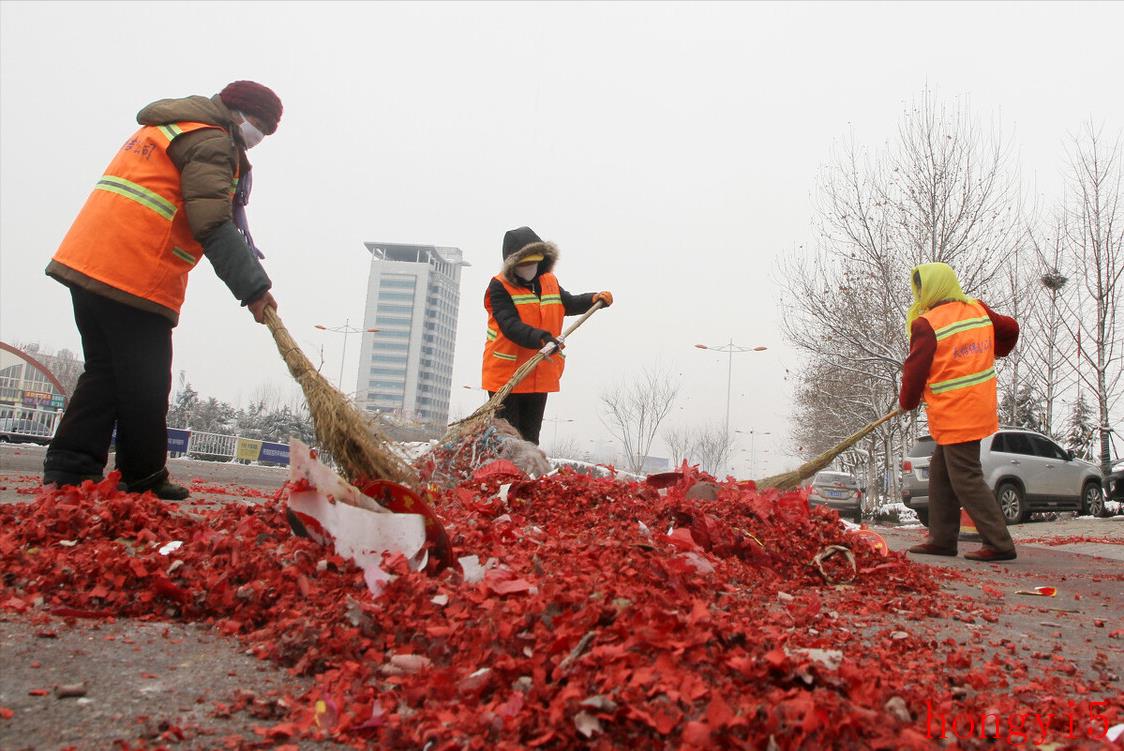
column 175, row 192
column 526, row 307
column 954, row 340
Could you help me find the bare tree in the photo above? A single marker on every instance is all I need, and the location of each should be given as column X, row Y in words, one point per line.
column 952, row 192
column 680, row 442
column 712, row 448
column 1094, row 234
column 67, row 368
column 1019, row 382
column 708, row 446
column 944, row 190
column 1043, row 339
column 634, row 411
column 567, row 447
column 270, row 396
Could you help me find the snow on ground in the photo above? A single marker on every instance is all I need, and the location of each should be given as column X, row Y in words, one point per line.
column 896, row 511
column 413, row 450
column 597, row 470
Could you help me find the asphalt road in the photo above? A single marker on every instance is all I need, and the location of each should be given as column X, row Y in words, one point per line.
column 25, row 463
column 142, row 678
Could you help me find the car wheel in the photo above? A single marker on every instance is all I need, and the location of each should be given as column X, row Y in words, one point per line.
column 859, row 515
column 923, row 515
column 1012, row 503
column 1092, row 501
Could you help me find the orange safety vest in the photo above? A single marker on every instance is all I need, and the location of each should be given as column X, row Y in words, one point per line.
column 132, row 234
column 960, row 393
column 502, row 357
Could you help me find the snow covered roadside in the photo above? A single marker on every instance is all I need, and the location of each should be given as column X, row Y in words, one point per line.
column 897, row 514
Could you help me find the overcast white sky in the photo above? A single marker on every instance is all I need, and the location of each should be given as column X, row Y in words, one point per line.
column 669, row 149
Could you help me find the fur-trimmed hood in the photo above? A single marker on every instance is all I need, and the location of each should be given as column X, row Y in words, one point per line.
column 549, row 257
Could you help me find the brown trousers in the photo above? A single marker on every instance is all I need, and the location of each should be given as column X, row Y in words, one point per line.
column 955, row 481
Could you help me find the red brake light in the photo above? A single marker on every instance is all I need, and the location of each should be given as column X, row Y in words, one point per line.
column 907, row 466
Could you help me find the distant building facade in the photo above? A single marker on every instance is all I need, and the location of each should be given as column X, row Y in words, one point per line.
column 34, row 388
column 406, row 366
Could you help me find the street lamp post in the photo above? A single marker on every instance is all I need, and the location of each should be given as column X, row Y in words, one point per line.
column 730, row 349
column 753, row 446
column 556, row 420
column 753, row 449
column 346, row 329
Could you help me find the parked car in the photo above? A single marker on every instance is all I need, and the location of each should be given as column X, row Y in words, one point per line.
column 840, row 491
column 1114, row 483
column 1027, row 471
column 915, row 477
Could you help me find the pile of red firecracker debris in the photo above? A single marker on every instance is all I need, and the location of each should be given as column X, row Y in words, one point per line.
column 609, row 615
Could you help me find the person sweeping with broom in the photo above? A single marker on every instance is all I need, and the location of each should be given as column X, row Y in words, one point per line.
column 954, row 340
column 526, row 307
column 174, row 192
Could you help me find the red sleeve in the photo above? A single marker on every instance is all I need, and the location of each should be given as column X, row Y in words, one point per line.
column 915, row 371
column 1006, row 331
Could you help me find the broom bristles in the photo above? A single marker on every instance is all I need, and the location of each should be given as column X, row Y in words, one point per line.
column 484, row 414
column 792, row 480
column 479, row 419
column 348, row 435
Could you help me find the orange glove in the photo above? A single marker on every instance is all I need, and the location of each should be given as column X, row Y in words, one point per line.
column 604, row 297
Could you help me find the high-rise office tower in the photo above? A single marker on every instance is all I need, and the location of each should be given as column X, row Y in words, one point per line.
column 406, row 366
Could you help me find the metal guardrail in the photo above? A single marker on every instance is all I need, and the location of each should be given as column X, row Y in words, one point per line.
column 212, row 444
column 229, row 447
column 35, row 423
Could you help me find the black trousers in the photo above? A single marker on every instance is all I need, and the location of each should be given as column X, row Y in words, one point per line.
column 525, row 413
column 126, row 381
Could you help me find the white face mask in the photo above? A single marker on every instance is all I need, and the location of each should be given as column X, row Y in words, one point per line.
column 527, row 271
column 251, row 136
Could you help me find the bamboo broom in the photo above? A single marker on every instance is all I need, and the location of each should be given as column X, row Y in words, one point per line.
column 792, row 480
column 348, row 435
column 484, row 414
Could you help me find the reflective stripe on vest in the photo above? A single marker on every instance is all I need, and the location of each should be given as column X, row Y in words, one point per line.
column 181, row 253
column 960, row 395
column 963, row 382
column 138, row 193
column 170, row 131
column 966, row 325
column 502, row 357
column 132, row 234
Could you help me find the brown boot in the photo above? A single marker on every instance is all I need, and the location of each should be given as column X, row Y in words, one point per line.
column 928, row 548
column 988, row 555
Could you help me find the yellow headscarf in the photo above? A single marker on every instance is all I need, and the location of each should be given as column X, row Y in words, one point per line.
column 932, row 283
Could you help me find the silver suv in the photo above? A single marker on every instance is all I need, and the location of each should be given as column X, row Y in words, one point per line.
column 1027, row 471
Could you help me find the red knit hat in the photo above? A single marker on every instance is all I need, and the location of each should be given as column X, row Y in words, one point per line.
column 251, row 98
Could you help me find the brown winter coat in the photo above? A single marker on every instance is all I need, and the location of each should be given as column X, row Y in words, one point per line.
column 206, row 159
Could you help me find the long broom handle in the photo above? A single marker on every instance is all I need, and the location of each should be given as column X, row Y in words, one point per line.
column 809, row 468
column 574, row 326
column 526, row 368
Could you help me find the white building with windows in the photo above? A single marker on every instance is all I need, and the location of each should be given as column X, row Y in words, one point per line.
column 406, row 366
